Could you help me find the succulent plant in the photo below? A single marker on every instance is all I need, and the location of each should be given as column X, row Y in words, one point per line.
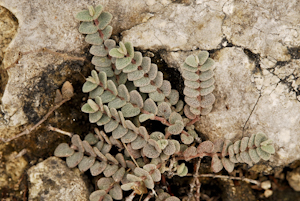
column 125, row 90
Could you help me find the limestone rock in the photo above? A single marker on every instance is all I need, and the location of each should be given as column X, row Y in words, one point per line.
column 53, row 180
column 267, row 28
column 179, row 27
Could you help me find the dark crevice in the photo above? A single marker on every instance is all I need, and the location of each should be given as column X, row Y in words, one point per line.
column 254, row 58
column 294, row 52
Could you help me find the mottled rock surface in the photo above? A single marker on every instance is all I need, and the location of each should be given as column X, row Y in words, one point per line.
column 53, row 180
column 255, row 45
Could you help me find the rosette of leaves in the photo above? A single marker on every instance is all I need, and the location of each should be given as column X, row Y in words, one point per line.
column 199, row 84
column 226, row 154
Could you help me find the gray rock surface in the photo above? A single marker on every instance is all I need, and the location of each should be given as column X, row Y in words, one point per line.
column 53, row 180
column 255, row 89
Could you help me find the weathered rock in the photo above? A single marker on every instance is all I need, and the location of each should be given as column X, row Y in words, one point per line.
column 11, row 169
column 254, row 91
column 53, row 180
column 293, row 178
column 267, row 28
column 179, row 27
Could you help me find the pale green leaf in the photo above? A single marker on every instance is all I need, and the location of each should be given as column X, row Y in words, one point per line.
column 87, row 28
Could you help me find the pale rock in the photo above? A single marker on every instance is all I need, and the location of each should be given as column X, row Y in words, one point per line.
column 53, row 180
column 179, row 27
column 266, row 28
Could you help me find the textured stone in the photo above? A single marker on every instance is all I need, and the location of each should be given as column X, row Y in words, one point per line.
column 53, row 180
column 255, row 90
column 179, row 27
column 267, row 28
column 293, row 178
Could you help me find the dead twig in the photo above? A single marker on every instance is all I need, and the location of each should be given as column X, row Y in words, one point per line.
column 195, row 183
column 252, row 181
column 51, row 128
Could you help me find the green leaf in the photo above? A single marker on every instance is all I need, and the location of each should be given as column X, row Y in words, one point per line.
column 176, row 128
column 107, row 32
column 104, row 19
column 116, row 192
column 150, row 151
column 216, row 163
column 98, row 167
column 202, row 56
column 129, row 110
column 186, row 139
column 86, row 163
column 192, row 61
column 206, row 75
column 207, row 65
column 259, row 138
column 262, row 154
column 138, row 143
column 63, row 150
column 186, row 67
column 111, row 126
column 94, row 117
column 94, row 39
column 228, row 165
column 205, row 147
column 170, row 149
column 122, row 62
column 98, row 50
column 91, row 139
column 84, row 16
column 129, row 137
column 175, row 117
column 74, row 160
column 135, row 75
column 86, row 108
column 116, row 103
column 96, row 92
column 268, row 148
column 145, row 117
column 244, row 144
column 206, row 91
column 226, row 145
column 190, row 75
column 88, row 86
column 129, row 49
column 189, row 92
column 104, row 120
column 87, row 28
column 101, row 61
column 122, row 48
column 164, row 110
column 115, row 53
column 254, row 156
column 110, row 170
column 107, row 96
column 144, row 81
column 207, row 83
column 150, row 106
column 96, row 195
column 157, row 96
column 246, row 158
column 192, row 101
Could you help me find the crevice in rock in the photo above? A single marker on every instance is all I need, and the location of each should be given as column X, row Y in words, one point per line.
column 251, row 114
column 294, row 52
